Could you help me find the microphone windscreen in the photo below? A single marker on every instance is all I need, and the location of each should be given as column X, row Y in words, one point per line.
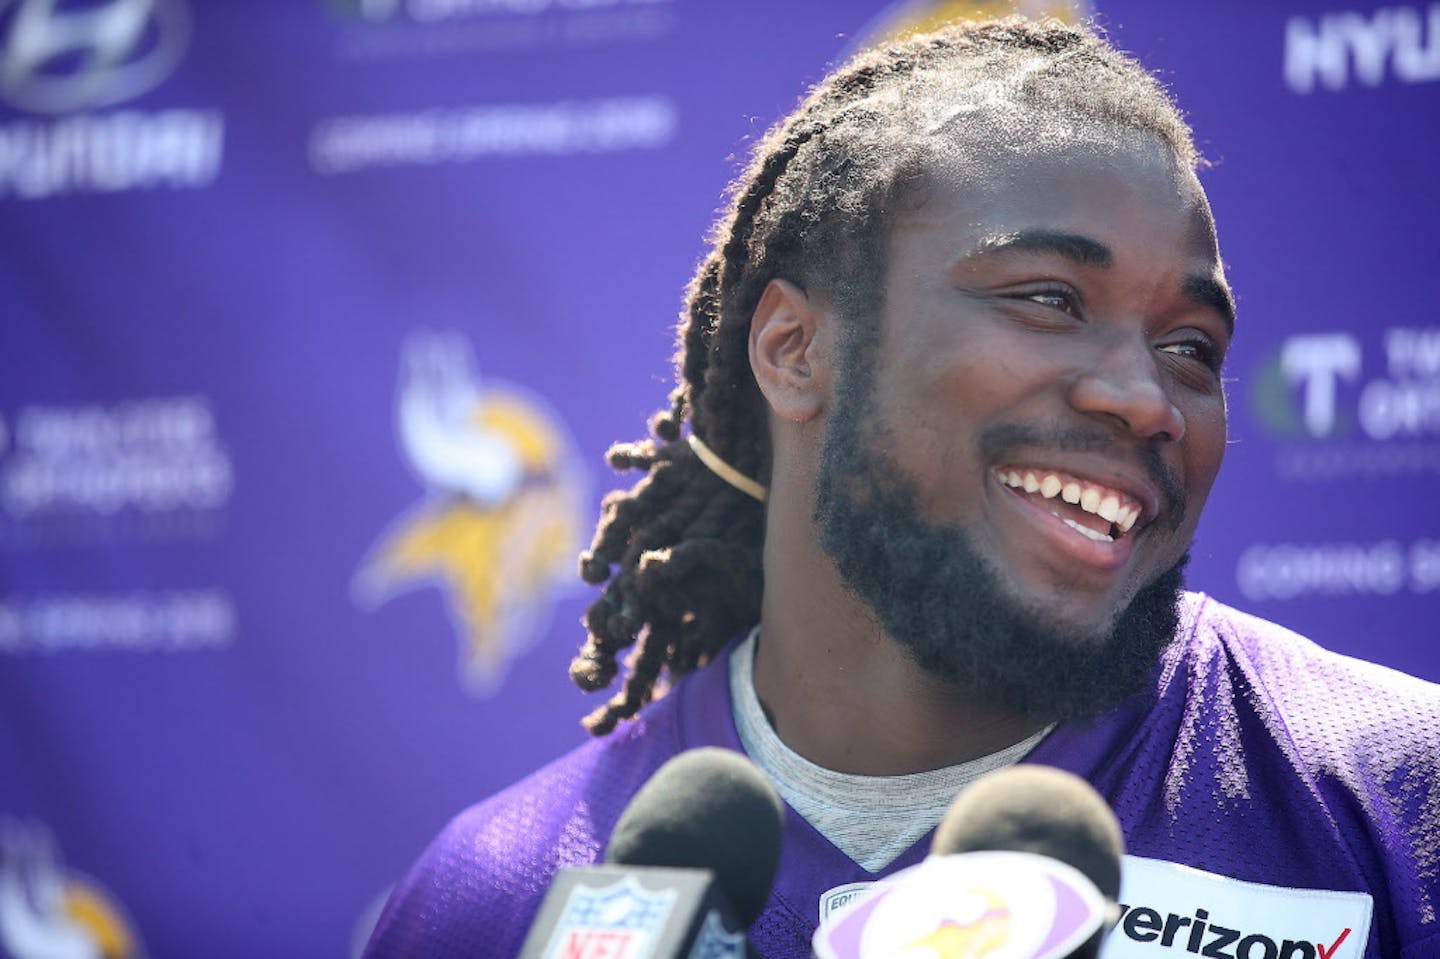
column 707, row 809
column 1037, row 809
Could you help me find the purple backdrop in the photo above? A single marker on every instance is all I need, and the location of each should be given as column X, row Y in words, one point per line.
column 315, row 318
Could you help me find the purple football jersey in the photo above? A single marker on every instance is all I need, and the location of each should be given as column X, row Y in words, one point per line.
column 1256, row 756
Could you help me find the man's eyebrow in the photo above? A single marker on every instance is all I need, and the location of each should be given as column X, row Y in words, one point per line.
column 1208, row 291
column 1204, row 290
column 1072, row 246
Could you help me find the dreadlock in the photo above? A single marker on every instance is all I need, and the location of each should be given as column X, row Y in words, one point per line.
column 679, row 554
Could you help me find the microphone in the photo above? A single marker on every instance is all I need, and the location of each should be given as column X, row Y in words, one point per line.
column 1026, row 862
column 1037, row 809
column 687, row 870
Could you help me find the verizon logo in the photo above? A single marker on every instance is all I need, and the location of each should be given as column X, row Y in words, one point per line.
column 1197, row 935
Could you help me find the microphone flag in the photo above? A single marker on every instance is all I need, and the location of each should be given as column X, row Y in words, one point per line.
column 638, row 912
column 998, row 904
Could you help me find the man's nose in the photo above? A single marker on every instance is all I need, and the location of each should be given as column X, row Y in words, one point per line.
column 1124, row 383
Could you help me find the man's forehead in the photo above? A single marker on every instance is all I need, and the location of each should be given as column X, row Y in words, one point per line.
column 1077, row 186
column 1000, row 138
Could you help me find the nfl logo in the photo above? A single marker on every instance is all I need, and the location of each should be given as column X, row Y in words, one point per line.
column 621, row 921
column 714, row 942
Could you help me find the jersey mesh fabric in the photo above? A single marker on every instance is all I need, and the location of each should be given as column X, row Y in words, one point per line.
column 1256, row 756
column 1330, row 761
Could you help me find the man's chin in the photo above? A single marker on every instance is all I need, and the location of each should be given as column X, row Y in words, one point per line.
column 1071, row 621
column 1052, row 663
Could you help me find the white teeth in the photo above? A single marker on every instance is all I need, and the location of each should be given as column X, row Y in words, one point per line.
column 1087, row 531
column 1106, row 504
column 1109, row 508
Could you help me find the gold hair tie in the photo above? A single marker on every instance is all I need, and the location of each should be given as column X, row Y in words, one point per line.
column 724, row 470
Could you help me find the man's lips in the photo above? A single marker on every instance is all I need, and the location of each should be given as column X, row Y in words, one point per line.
column 1089, row 515
column 1112, row 506
column 1090, row 456
column 1079, row 544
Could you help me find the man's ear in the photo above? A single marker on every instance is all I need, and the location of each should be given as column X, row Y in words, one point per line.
column 790, row 351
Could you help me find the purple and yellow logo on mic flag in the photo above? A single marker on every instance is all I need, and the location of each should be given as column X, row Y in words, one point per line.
column 977, row 905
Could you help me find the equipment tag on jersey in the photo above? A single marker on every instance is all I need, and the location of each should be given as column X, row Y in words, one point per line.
column 1169, row 911
column 832, row 899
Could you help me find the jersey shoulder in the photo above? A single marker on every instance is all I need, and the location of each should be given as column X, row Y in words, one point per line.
column 1332, row 707
column 475, row 890
column 1321, row 765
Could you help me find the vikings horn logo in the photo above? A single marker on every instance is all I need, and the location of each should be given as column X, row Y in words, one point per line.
column 50, row 912
column 499, row 525
column 906, row 17
column 978, row 935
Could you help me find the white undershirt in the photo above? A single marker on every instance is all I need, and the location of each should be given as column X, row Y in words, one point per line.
column 872, row 819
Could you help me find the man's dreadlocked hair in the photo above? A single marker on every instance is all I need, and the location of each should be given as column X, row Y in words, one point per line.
column 679, row 554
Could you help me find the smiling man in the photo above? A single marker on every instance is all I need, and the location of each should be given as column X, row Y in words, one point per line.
column 950, row 406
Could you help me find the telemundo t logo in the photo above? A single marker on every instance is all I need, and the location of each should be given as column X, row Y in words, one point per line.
column 1314, row 387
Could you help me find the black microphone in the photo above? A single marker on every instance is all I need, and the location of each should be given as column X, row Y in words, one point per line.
column 1026, row 860
column 688, row 869
column 1037, row 809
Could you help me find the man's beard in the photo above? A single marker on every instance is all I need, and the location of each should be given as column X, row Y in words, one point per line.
column 935, row 595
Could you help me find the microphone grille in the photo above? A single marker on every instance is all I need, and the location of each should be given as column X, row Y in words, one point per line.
column 1037, row 809
column 707, row 809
